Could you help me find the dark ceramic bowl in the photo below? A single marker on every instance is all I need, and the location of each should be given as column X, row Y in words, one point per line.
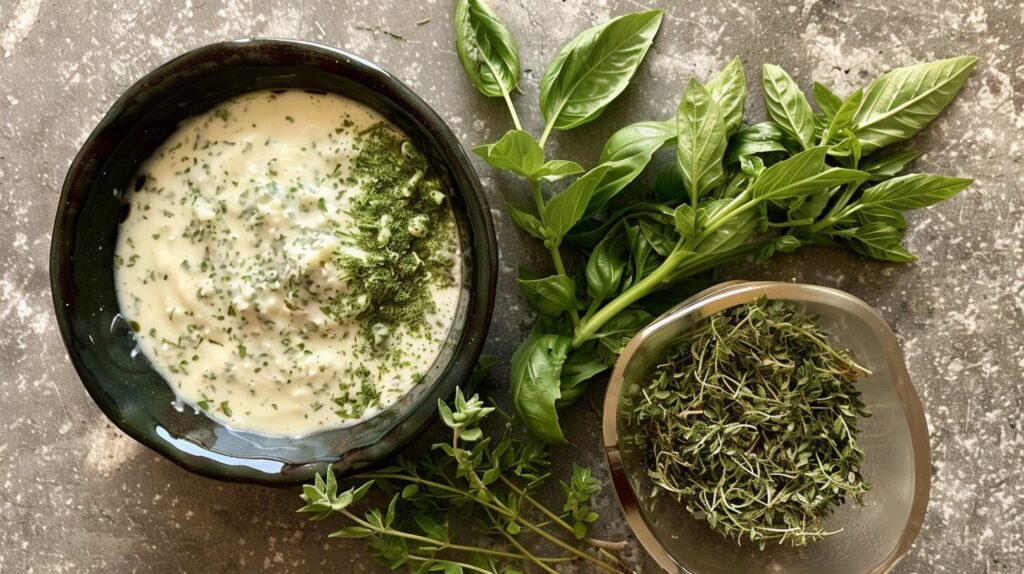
column 101, row 344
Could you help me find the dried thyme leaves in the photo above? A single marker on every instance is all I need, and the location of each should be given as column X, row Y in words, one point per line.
column 752, row 423
column 404, row 240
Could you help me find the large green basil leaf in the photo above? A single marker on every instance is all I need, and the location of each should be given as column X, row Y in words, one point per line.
column 551, row 295
column 912, row 191
column 762, row 138
column 580, row 367
column 556, row 169
column 802, row 174
column 616, row 333
column 882, row 215
column 734, row 232
column 528, row 221
column 566, row 209
column 889, row 165
column 516, row 151
column 729, row 90
column 700, row 141
column 879, row 241
column 626, row 154
column 901, row 102
column 828, row 102
column 486, row 49
column 787, row 105
column 843, row 118
column 606, row 265
column 536, row 384
column 594, row 68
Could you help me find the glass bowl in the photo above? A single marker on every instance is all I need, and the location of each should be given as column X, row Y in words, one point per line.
column 101, row 344
column 874, row 536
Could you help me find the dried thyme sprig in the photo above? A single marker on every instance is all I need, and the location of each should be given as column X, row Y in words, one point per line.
column 752, row 422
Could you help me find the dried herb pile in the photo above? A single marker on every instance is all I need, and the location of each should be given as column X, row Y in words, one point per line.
column 752, row 422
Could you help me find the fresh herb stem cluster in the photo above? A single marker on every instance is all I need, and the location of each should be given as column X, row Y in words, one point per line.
column 752, row 423
column 469, row 505
column 802, row 177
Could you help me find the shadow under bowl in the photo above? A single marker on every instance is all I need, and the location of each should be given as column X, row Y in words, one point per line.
column 873, row 537
column 100, row 342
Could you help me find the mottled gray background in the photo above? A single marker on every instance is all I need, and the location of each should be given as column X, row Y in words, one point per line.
column 78, row 496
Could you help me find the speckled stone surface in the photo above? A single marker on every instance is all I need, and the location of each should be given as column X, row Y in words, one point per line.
column 78, row 496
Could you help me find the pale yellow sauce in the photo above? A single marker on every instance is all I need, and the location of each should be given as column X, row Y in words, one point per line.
column 226, row 255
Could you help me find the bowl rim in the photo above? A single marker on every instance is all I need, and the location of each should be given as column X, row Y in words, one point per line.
column 728, row 294
column 343, row 64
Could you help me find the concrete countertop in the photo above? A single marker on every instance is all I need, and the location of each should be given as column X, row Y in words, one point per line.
column 78, row 496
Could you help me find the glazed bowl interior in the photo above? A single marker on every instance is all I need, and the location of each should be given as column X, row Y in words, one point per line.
column 873, row 536
column 101, row 343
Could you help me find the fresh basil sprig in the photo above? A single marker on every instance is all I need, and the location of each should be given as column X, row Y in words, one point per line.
column 800, row 178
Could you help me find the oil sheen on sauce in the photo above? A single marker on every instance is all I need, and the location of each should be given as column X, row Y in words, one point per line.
column 234, row 265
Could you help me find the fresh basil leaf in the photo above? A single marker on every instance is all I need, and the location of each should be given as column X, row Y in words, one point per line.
column 565, row 210
column 516, row 151
column 626, row 154
column 734, row 232
column 913, row 191
column 802, row 174
column 889, row 165
column 729, row 90
column 686, row 221
column 880, row 241
column 809, row 206
column 700, row 141
column 762, row 138
column 605, row 267
column 486, row 49
column 594, row 68
column 658, row 236
column 882, row 215
column 551, row 295
column 787, row 105
column 668, row 185
column 641, row 250
column 536, row 382
column 901, row 102
column 580, row 367
column 828, row 102
column 616, row 333
column 556, row 169
column 843, row 118
column 589, row 232
column 528, row 221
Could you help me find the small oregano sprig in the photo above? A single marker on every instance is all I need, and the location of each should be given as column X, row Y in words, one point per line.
column 474, row 480
column 801, row 177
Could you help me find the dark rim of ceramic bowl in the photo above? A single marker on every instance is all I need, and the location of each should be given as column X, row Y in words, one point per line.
column 153, row 90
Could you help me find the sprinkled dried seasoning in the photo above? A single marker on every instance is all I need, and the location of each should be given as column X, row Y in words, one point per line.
column 752, row 423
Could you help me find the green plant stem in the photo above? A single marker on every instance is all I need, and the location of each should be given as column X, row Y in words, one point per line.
column 519, row 547
column 547, row 132
column 553, row 249
column 636, row 292
column 511, row 109
column 600, row 544
column 500, row 508
column 838, row 210
column 664, row 273
column 431, row 541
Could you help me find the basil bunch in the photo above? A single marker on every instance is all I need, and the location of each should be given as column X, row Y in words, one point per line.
column 800, row 178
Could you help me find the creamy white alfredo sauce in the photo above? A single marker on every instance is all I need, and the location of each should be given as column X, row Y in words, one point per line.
column 253, row 244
